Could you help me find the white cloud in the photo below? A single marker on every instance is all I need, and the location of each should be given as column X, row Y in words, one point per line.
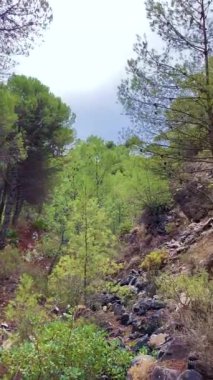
column 87, row 45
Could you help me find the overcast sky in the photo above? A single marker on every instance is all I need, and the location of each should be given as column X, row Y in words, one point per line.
column 83, row 56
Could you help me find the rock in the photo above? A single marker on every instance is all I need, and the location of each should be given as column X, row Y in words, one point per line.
column 161, row 373
column 147, row 325
column 184, row 300
column 135, row 335
column 175, row 349
column 127, row 281
column 56, row 310
column 157, row 340
column 118, row 309
column 105, row 309
column 190, row 374
column 140, row 343
column 140, row 285
column 109, row 299
column 157, row 305
column 4, row 326
column 125, row 319
column 141, row 307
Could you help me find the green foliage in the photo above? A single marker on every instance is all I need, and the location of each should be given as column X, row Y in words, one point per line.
column 154, row 260
column 197, row 288
column 125, row 228
column 10, row 262
column 113, row 267
column 21, row 24
column 124, row 292
column 65, row 351
column 194, row 297
column 25, row 310
column 65, row 284
column 89, row 248
column 40, row 224
column 25, row 171
column 163, row 95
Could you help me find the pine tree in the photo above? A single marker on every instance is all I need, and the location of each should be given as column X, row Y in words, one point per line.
column 155, row 80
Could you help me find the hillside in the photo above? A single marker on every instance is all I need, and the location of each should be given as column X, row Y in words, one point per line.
column 106, row 245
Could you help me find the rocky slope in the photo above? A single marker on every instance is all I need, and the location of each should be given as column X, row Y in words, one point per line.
column 144, row 323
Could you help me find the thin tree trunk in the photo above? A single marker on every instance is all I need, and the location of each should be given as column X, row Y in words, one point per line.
column 18, row 208
column 10, row 202
column 86, row 249
column 207, row 74
column 57, row 255
column 3, row 198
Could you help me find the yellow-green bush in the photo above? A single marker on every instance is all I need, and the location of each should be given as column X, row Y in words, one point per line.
column 154, row 260
column 65, row 284
column 25, row 310
column 124, row 292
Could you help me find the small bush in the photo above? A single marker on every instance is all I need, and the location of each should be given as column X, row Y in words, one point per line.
column 65, row 351
column 125, row 228
column 154, row 260
column 124, row 292
column 197, row 288
column 25, row 310
column 65, row 284
column 10, row 261
column 113, row 268
column 40, row 225
column 143, row 369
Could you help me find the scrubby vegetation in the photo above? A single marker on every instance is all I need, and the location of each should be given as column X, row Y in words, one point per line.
column 70, row 257
column 194, row 299
column 63, row 350
column 154, row 260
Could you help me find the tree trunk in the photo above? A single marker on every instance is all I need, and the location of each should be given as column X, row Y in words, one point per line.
column 3, row 198
column 10, row 202
column 86, row 258
column 18, row 208
column 207, row 74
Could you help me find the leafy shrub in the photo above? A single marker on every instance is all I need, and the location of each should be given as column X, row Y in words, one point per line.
column 154, row 260
column 65, row 351
column 10, row 261
column 113, row 267
column 124, row 292
column 12, row 235
column 197, row 288
column 125, row 228
column 194, row 296
column 40, row 225
column 65, row 284
column 25, row 310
